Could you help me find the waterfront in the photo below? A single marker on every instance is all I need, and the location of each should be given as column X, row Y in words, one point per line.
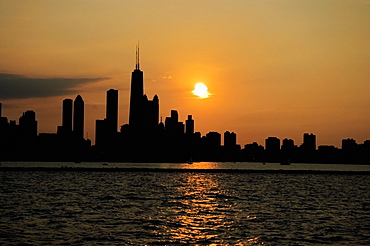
column 226, row 166
column 194, row 207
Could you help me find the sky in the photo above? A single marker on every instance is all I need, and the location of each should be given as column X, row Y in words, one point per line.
column 273, row 67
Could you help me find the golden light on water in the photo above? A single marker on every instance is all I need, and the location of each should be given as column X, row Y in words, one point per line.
column 201, row 90
column 202, row 213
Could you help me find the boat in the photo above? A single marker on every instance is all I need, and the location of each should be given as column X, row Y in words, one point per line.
column 190, row 161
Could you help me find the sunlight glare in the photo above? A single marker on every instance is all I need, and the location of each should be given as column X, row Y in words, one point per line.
column 201, row 90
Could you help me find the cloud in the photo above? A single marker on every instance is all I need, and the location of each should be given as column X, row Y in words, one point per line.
column 13, row 86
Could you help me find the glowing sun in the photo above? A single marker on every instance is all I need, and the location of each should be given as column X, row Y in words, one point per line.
column 201, row 90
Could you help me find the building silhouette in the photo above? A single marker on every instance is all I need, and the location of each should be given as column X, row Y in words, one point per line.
column 136, row 95
column 28, row 124
column 78, row 117
column 272, row 147
column 145, row 139
column 106, row 129
column 253, row 152
column 288, row 145
column 189, row 125
column 144, row 113
column 229, row 139
column 112, row 111
column 272, row 144
column 101, row 132
column 230, row 149
column 67, row 116
column 309, row 142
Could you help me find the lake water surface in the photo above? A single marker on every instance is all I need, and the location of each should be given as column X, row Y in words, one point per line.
column 192, row 208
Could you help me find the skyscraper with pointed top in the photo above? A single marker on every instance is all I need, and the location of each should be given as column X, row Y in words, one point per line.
column 137, row 92
column 144, row 113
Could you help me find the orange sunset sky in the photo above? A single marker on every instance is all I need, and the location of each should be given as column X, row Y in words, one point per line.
column 274, row 67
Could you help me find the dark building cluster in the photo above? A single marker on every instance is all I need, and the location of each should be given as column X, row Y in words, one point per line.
column 146, row 138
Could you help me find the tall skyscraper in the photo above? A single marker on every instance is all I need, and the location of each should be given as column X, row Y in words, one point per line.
column 144, row 113
column 67, row 116
column 137, row 93
column 112, row 111
column 189, row 125
column 78, row 117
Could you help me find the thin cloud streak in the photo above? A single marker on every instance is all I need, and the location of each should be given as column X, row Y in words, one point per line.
column 14, row 86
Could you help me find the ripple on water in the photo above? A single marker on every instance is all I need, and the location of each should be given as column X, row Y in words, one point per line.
column 43, row 208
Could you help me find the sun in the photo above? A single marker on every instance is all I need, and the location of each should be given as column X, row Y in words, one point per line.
column 201, row 90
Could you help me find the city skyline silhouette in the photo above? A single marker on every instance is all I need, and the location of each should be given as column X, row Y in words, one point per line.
column 232, row 123
column 145, row 138
column 272, row 68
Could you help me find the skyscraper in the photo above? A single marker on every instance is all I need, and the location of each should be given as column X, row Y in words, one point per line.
column 28, row 124
column 78, row 117
column 150, row 112
column 288, row 145
column 112, row 111
column 309, row 142
column 272, row 144
column 229, row 139
column 136, row 96
column 144, row 113
column 213, row 139
column 189, row 125
column 67, row 116
column 101, row 132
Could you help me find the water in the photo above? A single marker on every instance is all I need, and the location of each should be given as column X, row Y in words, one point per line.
column 193, row 208
column 242, row 166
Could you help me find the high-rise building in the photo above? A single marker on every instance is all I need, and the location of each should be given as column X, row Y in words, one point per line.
column 112, row 111
column 67, row 116
column 28, row 124
column 288, row 144
column 272, row 144
column 144, row 114
column 309, row 142
column 172, row 123
column 151, row 112
column 136, row 96
column 349, row 144
column 189, row 126
column 78, row 117
column 101, row 132
column 229, row 139
column 213, row 139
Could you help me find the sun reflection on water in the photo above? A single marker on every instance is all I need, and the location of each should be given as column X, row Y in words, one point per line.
column 203, row 213
column 198, row 220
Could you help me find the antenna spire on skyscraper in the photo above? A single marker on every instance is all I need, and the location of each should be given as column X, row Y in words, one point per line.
column 137, row 56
